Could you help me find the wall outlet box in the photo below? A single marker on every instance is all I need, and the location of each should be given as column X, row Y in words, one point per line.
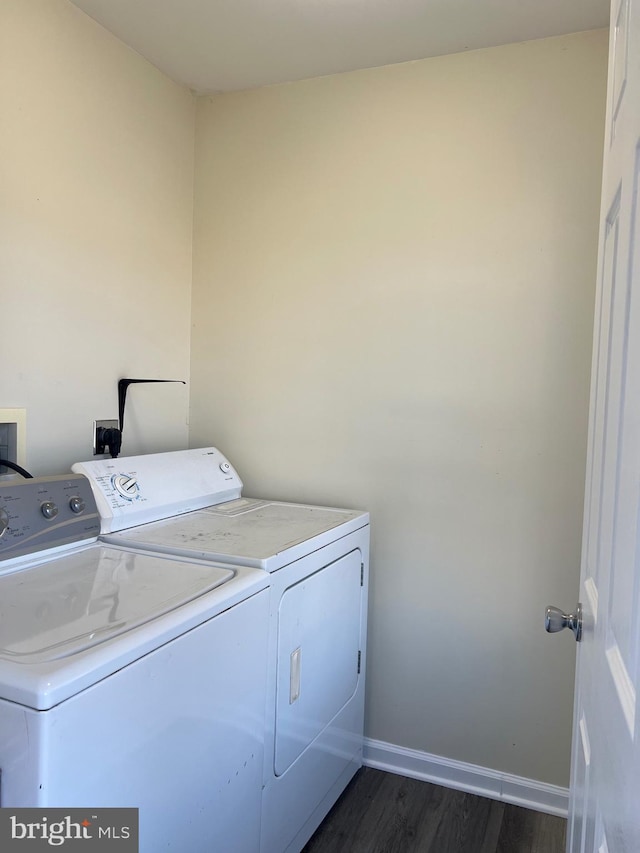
column 13, row 432
column 98, row 427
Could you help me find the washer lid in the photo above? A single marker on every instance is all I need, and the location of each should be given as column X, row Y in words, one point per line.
column 76, row 601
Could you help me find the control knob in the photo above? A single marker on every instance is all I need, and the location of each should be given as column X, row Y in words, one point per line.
column 4, row 522
column 126, row 486
column 225, row 467
column 48, row 509
column 76, row 504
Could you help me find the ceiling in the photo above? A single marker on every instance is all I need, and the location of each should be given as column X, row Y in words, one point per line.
column 223, row 45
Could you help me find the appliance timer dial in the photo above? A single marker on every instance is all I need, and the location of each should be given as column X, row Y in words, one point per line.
column 225, row 467
column 126, row 486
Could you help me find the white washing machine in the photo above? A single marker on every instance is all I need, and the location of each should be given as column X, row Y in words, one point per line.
column 189, row 503
column 128, row 678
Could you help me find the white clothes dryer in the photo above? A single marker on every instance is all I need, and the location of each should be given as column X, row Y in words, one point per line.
column 189, row 504
column 128, row 678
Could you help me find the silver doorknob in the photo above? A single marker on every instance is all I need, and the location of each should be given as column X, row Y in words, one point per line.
column 555, row 620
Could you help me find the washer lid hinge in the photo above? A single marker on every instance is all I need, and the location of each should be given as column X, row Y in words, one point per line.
column 359, row 661
column 361, row 574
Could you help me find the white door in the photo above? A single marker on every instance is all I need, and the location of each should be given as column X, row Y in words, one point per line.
column 604, row 815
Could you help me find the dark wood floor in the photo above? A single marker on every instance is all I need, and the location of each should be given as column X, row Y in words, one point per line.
column 384, row 813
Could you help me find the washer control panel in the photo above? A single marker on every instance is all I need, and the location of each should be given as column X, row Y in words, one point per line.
column 45, row 512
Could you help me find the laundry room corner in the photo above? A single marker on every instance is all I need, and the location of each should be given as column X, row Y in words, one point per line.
column 394, row 274
column 378, row 287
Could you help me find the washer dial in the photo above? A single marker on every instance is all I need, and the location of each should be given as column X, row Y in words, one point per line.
column 76, row 504
column 48, row 509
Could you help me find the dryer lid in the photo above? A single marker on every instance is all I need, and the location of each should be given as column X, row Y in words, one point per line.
column 246, row 532
column 81, row 599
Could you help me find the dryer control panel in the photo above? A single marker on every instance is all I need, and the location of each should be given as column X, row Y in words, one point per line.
column 133, row 490
column 44, row 512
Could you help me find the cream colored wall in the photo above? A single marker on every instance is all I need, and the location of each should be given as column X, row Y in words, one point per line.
column 96, row 205
column 392, row 306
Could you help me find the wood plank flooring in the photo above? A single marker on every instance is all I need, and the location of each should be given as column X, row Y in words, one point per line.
column 383, row 813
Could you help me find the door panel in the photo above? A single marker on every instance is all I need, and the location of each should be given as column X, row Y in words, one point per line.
column 601, row 396
column 580, row 779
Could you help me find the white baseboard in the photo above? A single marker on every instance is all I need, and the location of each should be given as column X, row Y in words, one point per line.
column 482, row 781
